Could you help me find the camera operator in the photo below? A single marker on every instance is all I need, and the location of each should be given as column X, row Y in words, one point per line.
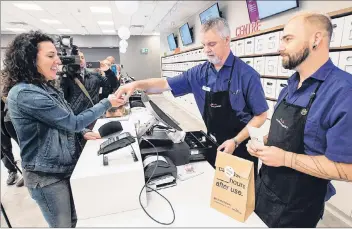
column 74, row 94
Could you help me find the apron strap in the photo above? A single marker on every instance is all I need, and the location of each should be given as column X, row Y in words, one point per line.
column 313, row 96
column 231, row 74
column 206, row 74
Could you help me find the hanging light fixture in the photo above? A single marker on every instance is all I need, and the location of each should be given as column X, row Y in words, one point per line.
column 123, row 44
column 127, row 7
column 124, row 33
column 123, row 50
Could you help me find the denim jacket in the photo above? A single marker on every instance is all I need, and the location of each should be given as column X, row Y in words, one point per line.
column 46, row 126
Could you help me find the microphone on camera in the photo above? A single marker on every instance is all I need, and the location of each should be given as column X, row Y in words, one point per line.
column 110, row 128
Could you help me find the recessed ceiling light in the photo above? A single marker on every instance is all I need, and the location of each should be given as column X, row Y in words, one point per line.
column 27, row 6
column 50, row 21
column 64, row 30
column 16, row 29
column 100, row 9
column 105, row 22
column 108, row 31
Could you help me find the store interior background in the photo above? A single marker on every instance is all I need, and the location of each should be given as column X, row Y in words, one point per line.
column 158, row 19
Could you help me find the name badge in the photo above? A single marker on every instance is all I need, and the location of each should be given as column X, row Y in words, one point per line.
column 205, row 88
column 100, row 90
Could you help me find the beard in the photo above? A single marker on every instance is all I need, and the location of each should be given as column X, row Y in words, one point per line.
column 214, row 59
column 295, row 59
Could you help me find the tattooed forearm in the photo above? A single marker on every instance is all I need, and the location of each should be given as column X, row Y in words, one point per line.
column 341, row 171
column 319, row 166
column 317, row 163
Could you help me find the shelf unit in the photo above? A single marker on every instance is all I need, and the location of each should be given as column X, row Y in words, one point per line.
column 333, row 15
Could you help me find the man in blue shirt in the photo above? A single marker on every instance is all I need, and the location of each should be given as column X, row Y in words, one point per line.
column 309, row 141
column 228, row 92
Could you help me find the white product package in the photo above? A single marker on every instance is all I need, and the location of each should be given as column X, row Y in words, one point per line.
column 256, row 136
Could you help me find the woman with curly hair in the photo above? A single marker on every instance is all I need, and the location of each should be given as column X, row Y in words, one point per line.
column 45, row 124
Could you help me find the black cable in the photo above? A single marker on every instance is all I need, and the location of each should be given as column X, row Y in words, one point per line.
column 14, row 164
column 5, row 216
column 140, row 194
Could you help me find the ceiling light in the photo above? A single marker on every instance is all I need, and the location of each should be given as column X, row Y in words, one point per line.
column 108, row 31
column 50, row 21
column 64, row 30
column 123, row 44
column 105, row 22
column 124, row 33
column 100, row 9
column 156, row 34
column 27, row 6
column 127, row 7
column 16, row 29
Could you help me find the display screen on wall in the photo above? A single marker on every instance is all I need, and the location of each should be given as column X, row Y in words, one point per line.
column 258, row 10
column 186, row 35
column 211, row 12
column 172, row 42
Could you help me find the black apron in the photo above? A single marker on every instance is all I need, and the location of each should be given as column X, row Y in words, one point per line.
column 222, row 122
column 284, row 196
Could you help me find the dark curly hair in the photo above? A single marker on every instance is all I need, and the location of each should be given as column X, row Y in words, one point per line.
column 20, row 63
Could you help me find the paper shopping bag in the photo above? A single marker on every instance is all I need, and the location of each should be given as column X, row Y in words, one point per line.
column 233, row 186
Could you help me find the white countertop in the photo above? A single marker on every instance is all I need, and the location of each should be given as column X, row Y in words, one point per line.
column 190, row 200
column 119, row 161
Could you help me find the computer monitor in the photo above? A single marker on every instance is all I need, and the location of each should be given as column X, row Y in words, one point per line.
column 186, row 34
column 258, row 10
column 158, row 113
column 210, row 13
column 172, row 42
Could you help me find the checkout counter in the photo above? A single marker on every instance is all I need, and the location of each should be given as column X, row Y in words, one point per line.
column 112, row 195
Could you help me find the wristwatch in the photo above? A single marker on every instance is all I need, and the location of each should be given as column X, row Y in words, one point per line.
column 236, row 142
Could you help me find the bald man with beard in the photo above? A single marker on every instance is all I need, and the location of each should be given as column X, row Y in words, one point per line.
column 309, row 142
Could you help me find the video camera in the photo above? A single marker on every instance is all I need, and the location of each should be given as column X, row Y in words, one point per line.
column 70, row 63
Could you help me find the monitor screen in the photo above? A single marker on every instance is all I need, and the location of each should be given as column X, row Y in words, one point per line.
column 210, row 13
column 258, row 10
column 172, row 42
column 185, row 33
column 159, row 114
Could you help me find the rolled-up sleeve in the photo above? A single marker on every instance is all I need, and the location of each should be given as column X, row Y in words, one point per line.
column 181, row 84
column 42, row 107
column 339, row 136
column 255, row 96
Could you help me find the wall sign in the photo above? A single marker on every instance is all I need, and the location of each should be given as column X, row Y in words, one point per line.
column 245, row 30
column 144, row 51
column 253, row 10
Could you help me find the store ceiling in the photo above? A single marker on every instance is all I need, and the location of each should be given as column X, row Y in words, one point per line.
column 78, row 17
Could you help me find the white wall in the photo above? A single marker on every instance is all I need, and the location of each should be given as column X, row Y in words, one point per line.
column 236, row 14
column 142, row 66
column 135, row 64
